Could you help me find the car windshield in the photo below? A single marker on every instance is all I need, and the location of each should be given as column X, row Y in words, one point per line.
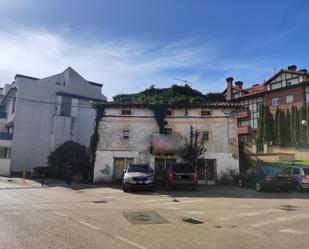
column 143, row 168
column 182, row 168
column 271, row 171
column 306, row 171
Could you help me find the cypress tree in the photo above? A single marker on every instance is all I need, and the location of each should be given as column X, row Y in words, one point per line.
column 292, row 124
column 276, row 125
column 307, row 127
column 268, row 130
column 271, row 127
column 302, row 132
column 296, row 126
column 288, row 128
column 260, row 131
column 281, row 121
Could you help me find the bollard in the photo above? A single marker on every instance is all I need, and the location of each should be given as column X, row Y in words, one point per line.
column 24, row 177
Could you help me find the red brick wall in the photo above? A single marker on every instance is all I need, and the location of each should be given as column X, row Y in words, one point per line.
column 297, row 92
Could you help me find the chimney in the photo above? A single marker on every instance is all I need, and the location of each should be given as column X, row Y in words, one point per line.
column 292, row 68
column 229, row 82
column 239, row 84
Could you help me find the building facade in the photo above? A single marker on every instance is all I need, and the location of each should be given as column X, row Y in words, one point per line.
column 128, row 133
column 41, row 114
column 284, row 89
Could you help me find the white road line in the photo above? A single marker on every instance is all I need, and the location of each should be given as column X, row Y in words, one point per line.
column 37, row 206
column 292, row 231
column 88, row 225
column 58, row 213
column 130, row 242
column 145, row 201
column 177, row 203
column 279, row 219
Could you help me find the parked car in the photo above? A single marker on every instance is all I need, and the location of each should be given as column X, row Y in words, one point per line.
column 138, row 176
column 300, row 177
column 266, row 178
column 179, row 174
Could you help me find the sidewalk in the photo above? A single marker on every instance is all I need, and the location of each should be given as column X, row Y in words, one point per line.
column 19, row 183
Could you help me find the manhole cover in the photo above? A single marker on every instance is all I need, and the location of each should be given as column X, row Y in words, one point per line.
column 145, row 217
column 99, row 201
column 192, row 221
column 288, row 207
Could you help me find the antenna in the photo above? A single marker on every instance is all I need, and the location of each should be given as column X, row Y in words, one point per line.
column 184, row 81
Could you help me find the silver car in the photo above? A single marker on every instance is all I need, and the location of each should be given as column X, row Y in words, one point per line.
column 300, row 177
column 138, row 176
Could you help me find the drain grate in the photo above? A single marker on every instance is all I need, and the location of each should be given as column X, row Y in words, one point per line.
column 99, row 202
column 288, row 207
column 144, row 217
column 192, row 221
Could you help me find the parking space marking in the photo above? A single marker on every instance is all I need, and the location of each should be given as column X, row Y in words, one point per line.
column 292, row 231
column 88, row 225
column 130, row 242
column 250, row 214
column 58, row 213
column 279, row 219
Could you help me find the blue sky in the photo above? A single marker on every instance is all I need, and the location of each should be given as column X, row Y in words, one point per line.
column 129, row 45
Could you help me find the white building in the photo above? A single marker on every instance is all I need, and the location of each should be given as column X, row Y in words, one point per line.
column 129, row 134
column 41, row 114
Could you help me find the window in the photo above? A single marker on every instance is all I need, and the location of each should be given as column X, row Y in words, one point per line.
column 125, row 134
column 205, row 135
column 205, row 113
column 275, row 101
column 287, row 171
column 168, row 113
column 289, row 99
column 66, row 103
column 168, row 130
column 126, row 112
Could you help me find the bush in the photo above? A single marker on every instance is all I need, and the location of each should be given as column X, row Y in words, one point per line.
column 73, row 152
column 229, row 177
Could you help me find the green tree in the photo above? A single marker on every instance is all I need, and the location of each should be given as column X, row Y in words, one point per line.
column 73, row 152
column 260, row 130
column 268, row 128
column 276, row 126
column 193, row 148
column 292, row 125
column 288, row 128
column 281, row 122
column 307, row 126
column 296, row 126
column 302, row 132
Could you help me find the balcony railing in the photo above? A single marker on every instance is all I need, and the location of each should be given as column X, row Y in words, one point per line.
column 5, row 136
column 243, row 130
column 243, row 114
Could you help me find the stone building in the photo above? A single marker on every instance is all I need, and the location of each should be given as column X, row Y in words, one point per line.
column 128, row 133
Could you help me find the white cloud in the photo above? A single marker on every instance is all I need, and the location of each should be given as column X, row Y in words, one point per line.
column 123, row 66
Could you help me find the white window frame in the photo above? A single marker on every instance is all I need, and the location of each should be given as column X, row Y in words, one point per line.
column 125, row 134
column 288, row 100
column 275, row 101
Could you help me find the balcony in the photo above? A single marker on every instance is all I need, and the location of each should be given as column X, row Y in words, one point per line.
column 244, row 130
column 5, row 136
column 243, row 114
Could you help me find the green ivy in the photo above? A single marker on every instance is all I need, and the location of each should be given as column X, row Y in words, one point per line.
column 159, row 114
column 94, row 138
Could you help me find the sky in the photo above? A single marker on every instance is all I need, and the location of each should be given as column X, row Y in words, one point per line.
column 129, row 45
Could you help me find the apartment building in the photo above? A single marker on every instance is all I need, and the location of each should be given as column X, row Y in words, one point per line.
column 41, row 114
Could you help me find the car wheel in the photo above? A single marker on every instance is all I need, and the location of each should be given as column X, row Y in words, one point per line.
column 299, row 188
column 258, row 187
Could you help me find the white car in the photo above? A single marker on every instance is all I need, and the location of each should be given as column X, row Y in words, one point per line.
column 138, row 176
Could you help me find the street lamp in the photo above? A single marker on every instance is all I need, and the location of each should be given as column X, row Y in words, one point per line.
column 304, row 122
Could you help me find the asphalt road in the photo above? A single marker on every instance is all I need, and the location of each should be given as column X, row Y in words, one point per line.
column 105, row 217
